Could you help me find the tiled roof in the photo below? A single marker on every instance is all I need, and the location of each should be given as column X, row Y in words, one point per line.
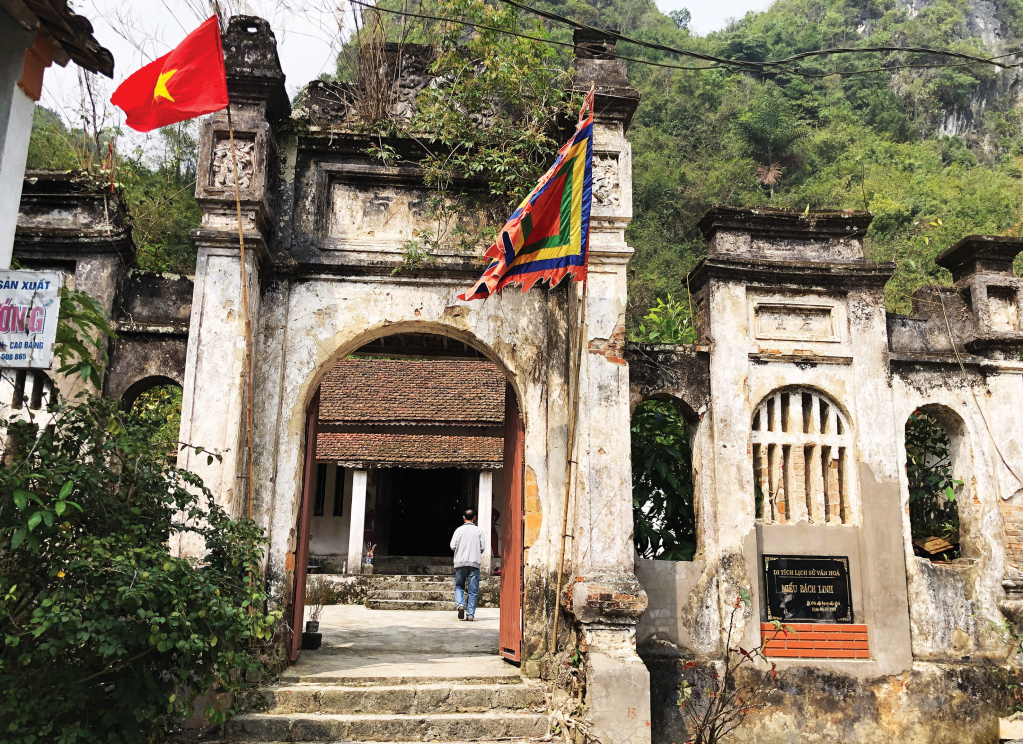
column 409, row 450
column 457, row 392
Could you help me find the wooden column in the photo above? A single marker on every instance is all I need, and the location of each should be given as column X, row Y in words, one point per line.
column 357, row 523
column 484, row 515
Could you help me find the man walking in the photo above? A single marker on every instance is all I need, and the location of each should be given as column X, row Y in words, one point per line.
column 468, row 542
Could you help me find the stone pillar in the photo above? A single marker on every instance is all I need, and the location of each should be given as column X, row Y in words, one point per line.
column 605, row 598
column 357, row 523
column 485, row 513
column 16, row 110
column 213, row 403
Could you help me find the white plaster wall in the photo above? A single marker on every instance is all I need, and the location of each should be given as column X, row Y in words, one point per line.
column 329, row 534
column 851, row 371
column 951, row 606
column 602, row 518
column 16, row 110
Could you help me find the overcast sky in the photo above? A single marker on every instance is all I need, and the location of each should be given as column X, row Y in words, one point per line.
column 308, row 34
column 712, row 16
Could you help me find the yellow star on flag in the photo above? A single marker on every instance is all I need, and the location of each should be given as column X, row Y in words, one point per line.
column 160, row 91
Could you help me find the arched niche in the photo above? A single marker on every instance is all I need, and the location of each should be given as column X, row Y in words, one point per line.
column 665, row 511
column 139, row 387
column 939, row 458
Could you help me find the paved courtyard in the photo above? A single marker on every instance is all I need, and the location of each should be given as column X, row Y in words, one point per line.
column 402, row 644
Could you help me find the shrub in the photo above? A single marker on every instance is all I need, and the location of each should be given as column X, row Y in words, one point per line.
column 108, row 636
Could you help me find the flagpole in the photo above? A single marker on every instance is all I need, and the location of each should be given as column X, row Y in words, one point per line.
column 247, row 372
column 573, row 416
column 570, row 465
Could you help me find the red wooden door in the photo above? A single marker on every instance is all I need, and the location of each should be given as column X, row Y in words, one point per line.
column 511, row 532
column 305, row 512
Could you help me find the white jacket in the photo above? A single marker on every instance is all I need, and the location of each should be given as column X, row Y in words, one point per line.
column 468, row 542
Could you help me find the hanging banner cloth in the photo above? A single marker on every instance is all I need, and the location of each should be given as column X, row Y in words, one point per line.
column 548, row 236
column 188, row 81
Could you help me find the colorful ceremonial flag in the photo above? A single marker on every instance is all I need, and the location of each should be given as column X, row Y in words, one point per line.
column 548, row 236
column 187, row 82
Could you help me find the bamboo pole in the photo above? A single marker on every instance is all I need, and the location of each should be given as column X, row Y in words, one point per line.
column 570, row 465
column 247, row 371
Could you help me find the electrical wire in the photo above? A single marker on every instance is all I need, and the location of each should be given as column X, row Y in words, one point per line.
column 720, row 63
column 771, row 63
column 962, row 370
column 523, row 36
column 976, row 402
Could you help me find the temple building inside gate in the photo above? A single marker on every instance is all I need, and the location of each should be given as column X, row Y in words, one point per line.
column 407, row 444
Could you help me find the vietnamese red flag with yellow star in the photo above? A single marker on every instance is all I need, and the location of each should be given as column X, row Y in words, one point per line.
column 187, row 82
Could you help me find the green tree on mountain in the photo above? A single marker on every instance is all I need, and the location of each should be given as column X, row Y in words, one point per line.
column 769, row 131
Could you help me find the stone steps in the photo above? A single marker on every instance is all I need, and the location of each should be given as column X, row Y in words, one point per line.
column 410, row 582
column 413, row 564
column 373, row 603
column 413, row 568
column 252, row 741
column 442, row 595
column 293, row 680
column 312, row 727
column 418, row 699
column 413, row 583
column 424, row 592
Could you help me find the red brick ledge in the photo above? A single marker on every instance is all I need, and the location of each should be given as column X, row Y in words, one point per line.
column 816, row 641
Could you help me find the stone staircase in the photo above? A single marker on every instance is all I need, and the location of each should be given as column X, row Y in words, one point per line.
column 411, row 592
column 397, row 565
column 399, row 709
column 421, row 583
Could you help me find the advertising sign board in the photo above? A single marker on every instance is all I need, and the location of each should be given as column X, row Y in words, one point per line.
column 29, row 305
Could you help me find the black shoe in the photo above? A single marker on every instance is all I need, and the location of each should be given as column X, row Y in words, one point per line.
column 468, row 619
column 461, row 612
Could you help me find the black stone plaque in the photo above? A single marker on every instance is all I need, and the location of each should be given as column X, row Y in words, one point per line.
column 808, row 588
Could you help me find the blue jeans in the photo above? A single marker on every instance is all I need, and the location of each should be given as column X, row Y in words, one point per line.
column 467, row 580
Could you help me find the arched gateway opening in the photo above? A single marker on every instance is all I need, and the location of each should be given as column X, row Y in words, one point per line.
column 402, row 436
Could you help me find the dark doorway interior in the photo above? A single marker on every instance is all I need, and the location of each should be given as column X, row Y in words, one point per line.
column 426, row 508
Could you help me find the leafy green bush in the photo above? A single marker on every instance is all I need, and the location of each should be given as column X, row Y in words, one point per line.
column 157, row 181
column 667, row 323
column 487, row 127
column 108, row 637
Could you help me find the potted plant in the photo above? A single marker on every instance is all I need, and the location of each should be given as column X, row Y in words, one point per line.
column 312, row 638
column 367, row 567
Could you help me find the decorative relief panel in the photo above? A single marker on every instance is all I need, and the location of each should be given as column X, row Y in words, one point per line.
column 795, row 322
column 607, row 191
column 222, row 168
column 385, row 214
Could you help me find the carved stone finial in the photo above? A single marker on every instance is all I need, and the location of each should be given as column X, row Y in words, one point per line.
column 596, row 64
column 594, row 44
column 980, row 254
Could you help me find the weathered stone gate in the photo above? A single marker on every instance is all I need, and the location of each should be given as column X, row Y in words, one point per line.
column 325, row 226
column 799, row 387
